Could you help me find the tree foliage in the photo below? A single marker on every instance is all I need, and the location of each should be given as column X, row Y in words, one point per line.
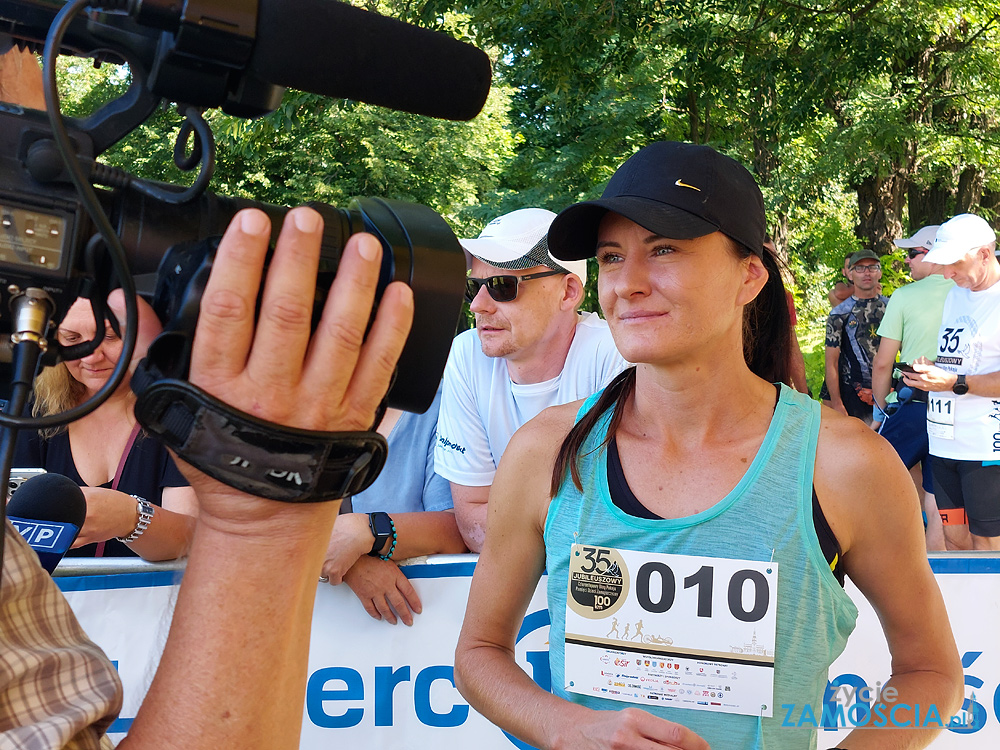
column 861, row 119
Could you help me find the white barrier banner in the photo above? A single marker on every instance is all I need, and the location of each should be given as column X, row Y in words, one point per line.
column 381, row 686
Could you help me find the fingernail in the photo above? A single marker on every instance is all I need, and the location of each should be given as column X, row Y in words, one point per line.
column 306, row 220
column 368, row 247
column 253, row 222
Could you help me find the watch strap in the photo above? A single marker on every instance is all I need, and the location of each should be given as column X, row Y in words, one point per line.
column 144, row 516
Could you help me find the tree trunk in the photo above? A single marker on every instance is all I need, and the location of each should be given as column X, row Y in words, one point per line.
column 990, row 204
column 929, row 205
column 880, row 202
column 970, row 190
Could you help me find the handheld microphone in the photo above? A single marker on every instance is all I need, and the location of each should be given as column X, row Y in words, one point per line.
column 48, row 511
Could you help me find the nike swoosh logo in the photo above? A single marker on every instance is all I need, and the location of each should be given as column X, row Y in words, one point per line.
column 684, row 184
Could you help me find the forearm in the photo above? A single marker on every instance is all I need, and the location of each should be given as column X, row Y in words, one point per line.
column 933, row 378
column 167, row 537
column 882, row 373
column 832, row 361
column 987, row 384
column 491, row 681
column 234, row 666
column 895, row 723
column 426, row 533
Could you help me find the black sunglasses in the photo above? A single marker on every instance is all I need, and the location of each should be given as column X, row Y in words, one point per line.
column 501, row 288
column 913, row 252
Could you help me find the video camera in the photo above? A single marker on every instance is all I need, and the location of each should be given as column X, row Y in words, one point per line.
column 69, row 222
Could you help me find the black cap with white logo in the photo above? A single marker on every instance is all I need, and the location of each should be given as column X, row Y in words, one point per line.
column 677, row 190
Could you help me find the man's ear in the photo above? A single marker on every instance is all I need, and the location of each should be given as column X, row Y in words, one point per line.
column 572, row 292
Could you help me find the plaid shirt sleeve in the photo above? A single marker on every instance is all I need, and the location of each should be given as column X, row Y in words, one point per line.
column 58, row 690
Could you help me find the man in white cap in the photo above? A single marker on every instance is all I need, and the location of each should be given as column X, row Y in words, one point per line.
column 909, row 328
column 963, row 384
column 531, row 349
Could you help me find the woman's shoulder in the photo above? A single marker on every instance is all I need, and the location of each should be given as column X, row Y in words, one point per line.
column 531, row 453
column 547, row 430
column 839, row 432
column 521, row 489
column 847, row 447
column 858, row 474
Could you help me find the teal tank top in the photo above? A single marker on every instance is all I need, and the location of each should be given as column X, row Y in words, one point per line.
column 767, row 516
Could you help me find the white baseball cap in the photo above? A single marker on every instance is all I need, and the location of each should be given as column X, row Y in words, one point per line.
column 959, row 236
column 520, row 240
column 923, row 237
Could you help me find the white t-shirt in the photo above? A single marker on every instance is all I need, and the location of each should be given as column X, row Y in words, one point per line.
column 967, row 427
column 481, row 408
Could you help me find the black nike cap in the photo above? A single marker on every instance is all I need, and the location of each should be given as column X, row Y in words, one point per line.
column 677, row 190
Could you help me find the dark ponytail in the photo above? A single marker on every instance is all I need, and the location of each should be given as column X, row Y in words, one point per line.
column 767, row 332
column 767, row 325
column 615, row 395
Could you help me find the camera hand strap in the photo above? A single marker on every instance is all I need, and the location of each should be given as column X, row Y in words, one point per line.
column 254, row 456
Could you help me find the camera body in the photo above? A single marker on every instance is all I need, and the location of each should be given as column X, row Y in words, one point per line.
column 42, row 223
column 49, row 244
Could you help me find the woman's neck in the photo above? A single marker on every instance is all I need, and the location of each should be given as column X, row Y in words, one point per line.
column 117, row 410
column 693, row 402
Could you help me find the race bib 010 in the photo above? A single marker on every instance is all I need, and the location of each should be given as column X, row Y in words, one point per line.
column 665, row 629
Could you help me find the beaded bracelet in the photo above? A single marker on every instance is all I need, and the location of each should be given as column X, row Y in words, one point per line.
column 392, row 547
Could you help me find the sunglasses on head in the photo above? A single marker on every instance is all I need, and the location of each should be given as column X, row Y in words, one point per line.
column 913, row 252
column 501, row 288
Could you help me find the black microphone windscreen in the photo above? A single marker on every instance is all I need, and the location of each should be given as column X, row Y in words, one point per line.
column 48, row 510
column 49, row 497
column 332, row 48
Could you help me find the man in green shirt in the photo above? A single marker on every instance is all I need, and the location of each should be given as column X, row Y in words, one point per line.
column 909, row 329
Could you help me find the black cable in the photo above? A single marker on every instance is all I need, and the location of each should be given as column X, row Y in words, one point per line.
column 26, row 354
column 88, row 197
column 203, row 152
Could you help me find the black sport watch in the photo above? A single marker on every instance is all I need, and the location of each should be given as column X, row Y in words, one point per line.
column 961, row 387
column 381, row 526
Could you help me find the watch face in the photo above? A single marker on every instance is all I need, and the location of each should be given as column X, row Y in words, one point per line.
column 381, row 524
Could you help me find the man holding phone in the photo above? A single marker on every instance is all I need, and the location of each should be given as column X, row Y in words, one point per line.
column 909, row 328
column 963, row 382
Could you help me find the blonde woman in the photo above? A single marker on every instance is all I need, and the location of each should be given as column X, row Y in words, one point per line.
column 138, row 503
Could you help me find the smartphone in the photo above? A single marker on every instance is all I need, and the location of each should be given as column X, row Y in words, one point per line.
column 19, row 476
column 904, row 367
